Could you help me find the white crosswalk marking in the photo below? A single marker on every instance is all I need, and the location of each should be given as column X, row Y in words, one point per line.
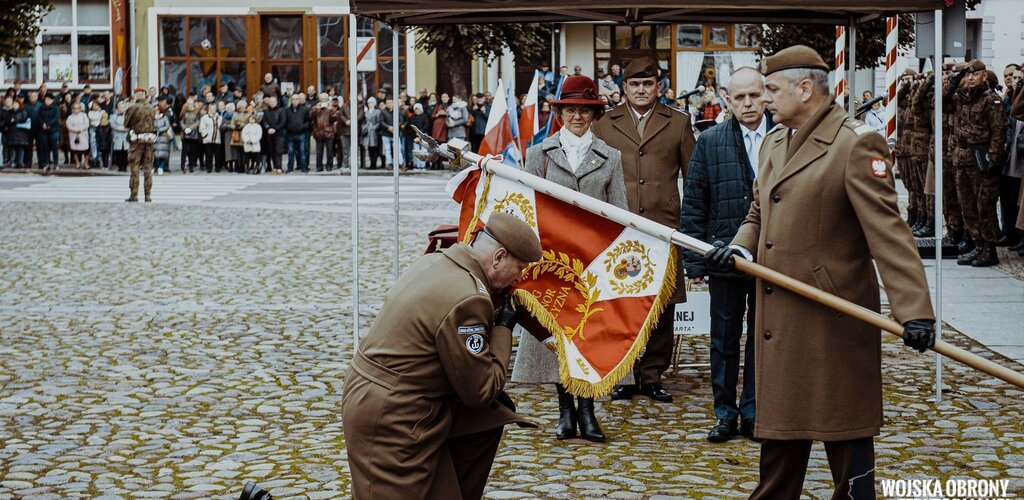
column 330, row 193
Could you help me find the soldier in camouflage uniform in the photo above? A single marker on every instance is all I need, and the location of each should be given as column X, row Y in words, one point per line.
column 977, row 154
column 955, row 233
column 140, row 121
column 904, row 158
column 922, row 106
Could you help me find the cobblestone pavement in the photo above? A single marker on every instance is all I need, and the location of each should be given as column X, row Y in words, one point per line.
column 171, row 351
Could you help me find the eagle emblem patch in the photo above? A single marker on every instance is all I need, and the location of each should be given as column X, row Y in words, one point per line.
column 878, row 168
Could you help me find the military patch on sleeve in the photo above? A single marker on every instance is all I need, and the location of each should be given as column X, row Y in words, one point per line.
column 879, row 168
column 474, row 337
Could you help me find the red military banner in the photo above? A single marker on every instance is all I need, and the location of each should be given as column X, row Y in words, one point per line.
column 598, row 289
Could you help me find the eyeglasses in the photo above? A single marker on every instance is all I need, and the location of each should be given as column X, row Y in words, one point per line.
column 583, row 112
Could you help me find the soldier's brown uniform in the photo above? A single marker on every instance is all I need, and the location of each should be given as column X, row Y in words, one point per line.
column 422, row 410
column 979, row 136
column 922, row 106
column 140, row 119
column 950, row 200
column 655, row 154
column 824, row 206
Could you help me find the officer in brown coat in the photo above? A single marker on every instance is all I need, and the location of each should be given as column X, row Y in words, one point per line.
column 824, row 205
column 140, row 120
column 978, row 152
column 656, row 143
column 424, row 409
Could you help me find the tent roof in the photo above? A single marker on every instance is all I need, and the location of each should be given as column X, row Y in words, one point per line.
column 423, row 12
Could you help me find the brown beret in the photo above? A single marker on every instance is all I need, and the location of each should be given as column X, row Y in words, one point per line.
column 641, row 67
column 974, row 65
column 515, row 235
column 909, row 72
column 958, row 67
column 797, row 56
column 948, row 66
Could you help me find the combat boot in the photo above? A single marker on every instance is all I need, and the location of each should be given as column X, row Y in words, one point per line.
column 987, row 257
column 566, row 414
column 967, row 259
column 953, row 238
column 913, row 219
column 927, row 228
column 965, row 245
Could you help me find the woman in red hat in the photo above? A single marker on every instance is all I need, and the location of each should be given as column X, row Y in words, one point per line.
column 572, row 157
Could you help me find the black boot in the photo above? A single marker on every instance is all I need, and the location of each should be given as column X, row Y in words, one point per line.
column 965, row 245
column 927, row 228
column 953, row 237
column 968, row 258
column 987, row 257
column 913, row 219
column 589, row 428
column 566, row 414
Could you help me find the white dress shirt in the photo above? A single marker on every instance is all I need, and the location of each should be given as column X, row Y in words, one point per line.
column 752, row 140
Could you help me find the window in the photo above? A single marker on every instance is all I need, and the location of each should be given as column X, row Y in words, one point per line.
column 201, row 51
column 74, row 47
column 690, row 36
column 332, row 50
column 748, row 36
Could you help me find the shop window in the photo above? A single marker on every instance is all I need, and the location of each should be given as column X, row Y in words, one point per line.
column 93, row 13
column 58, row 61
column 172, row 36
column 718, row 36
column 93, row 57
column 62, row 14
column 20, row 69
column 197, row 52
column 748, row 36
column 232, row 36
column 284, row 37
column 332, row 37
column 602, row 37
column 690, row 36
column 174, row 74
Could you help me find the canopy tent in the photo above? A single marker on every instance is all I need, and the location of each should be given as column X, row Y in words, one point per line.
column 833, row 12
column 828, row 12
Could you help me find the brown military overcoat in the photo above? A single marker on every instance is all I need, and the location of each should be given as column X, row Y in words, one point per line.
column 431, row 368
column 819, row 217
column 652, row 165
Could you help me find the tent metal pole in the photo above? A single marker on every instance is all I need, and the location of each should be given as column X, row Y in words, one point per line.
column 353, row 158
column 937, row 69
column 395, row 145
column 851, row 64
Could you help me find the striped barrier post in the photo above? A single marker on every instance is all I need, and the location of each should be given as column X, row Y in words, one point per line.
column 891, row 40
column 840, row 82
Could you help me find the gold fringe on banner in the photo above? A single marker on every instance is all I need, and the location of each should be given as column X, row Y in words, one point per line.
column 480, row 205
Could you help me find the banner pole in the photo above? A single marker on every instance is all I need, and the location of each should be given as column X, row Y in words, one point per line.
column 677, row 238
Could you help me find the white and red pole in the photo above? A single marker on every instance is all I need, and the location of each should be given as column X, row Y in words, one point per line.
column 892, row 28
column 840, row 82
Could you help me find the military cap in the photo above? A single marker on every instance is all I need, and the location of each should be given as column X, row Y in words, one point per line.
column 974, row 65
column 515, row 235
column 909, row 72
column 641, row 67
column 948, row 66
column 797, row 56
column 959, row 66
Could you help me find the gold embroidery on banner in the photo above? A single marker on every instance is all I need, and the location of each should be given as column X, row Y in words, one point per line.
column 569, row 271
column 513, row 202
column 629, row 259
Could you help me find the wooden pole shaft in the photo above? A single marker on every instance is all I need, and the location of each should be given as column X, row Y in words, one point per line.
column 677, row 238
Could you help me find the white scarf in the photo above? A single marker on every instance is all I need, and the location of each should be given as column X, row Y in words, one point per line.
column 575, row 147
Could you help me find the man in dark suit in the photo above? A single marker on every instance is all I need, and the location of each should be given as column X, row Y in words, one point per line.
column 656, row 143
column 719, row 189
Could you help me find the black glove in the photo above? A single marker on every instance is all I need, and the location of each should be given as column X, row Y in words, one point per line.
column 954, row 80
column 721, row 259
column 919, row 334
column 506, row 315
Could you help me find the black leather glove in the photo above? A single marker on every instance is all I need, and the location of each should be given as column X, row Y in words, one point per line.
column 955, row 79
column 506, row 314
column 721, row 259
column 919, row 334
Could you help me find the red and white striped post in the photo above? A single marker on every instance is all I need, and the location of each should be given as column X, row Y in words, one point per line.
column 840, row 81
column 892, row 29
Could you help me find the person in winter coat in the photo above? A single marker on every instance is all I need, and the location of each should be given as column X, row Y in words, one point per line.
column 210, row 132
column 78, row 134
column 119, row 137
column 18, row 136
column 103, row 134
column 252, row 134
column 66, row 104
column 226, row 129
column 243, row 110
column 439, row 115
column 458, row 115
column 49, row 133
column 343, row 132
column 162, row 146
column 7, row 111
column 324, row 118
column 273, row 132
column 297, row 126
column 372, row 140
column 96, row 115
column 191, row 144
column 421, row 121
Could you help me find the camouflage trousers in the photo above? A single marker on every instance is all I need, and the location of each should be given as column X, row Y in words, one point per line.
column 140, row 157
column 978, row 194
column 912, row 172
column 950, row 199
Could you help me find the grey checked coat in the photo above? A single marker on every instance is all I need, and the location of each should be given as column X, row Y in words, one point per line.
column 598, row 176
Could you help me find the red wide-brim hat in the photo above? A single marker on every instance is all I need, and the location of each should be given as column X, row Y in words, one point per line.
column 579, row 90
